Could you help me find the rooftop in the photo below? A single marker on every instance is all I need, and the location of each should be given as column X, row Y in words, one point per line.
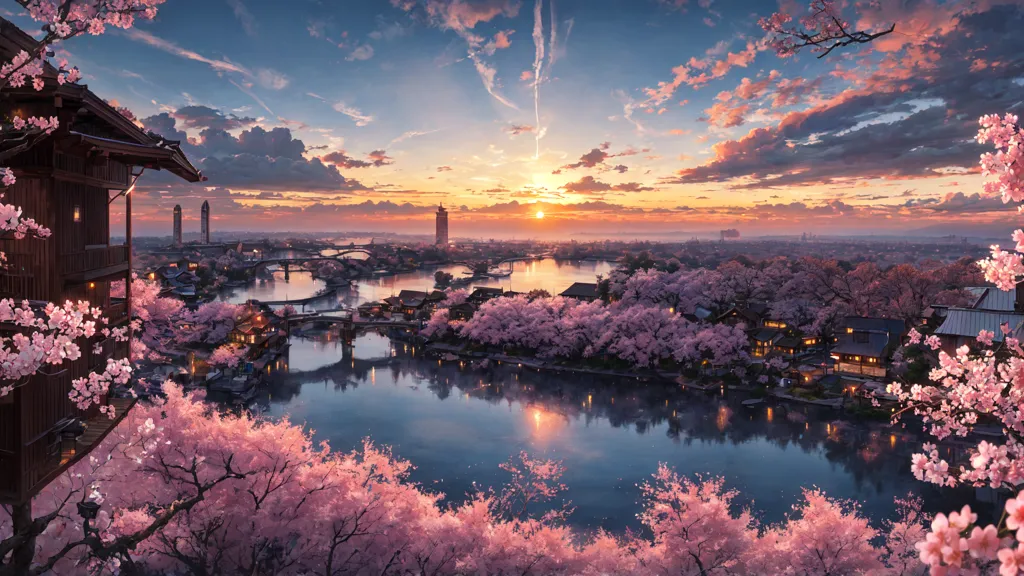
column 968, row 322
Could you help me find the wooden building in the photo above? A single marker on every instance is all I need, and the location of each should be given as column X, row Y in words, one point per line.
column 67, row 181
column 864, row 345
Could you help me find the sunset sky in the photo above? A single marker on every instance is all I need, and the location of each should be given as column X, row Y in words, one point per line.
column 610, row 116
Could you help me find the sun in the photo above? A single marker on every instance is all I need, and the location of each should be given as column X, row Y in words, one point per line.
column 540, row 214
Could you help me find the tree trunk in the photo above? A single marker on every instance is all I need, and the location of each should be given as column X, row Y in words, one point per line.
column 21, row 556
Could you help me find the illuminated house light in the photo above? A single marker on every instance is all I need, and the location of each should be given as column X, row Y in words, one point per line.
column 76, row 214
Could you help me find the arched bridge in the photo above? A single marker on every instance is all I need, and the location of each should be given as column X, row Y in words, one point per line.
column 300, row 260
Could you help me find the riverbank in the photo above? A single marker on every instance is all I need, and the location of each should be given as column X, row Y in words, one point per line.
column 559, row 367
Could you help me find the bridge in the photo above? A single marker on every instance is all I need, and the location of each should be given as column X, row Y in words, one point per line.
column 302, row 302
column 510, row 261
column 285, row 262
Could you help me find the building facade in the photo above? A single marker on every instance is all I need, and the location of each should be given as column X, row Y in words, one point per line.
column 177, row 225
column 65, row 182
column 441, row 237
column 204, row 230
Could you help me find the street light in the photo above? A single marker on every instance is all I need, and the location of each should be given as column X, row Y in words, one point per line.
column 88, row 511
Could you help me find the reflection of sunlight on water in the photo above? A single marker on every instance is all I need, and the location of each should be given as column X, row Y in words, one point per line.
column 722, row 420
column 545, row 425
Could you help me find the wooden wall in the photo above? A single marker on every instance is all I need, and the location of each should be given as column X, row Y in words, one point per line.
column 93, row 225
column 31, row 271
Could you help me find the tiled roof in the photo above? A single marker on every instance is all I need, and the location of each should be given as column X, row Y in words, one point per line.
column 581, row 290
column 892, row 326
column 874, row 347
column 968, row 322
column 991, row 298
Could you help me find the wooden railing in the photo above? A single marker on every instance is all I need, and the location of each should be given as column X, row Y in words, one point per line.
column 94, row 259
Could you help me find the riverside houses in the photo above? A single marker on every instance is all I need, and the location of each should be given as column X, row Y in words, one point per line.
column 68, row 181
column 864, row 345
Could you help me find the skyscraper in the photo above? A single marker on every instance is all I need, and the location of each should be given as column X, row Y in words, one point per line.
column 441, row 238
column 204, row 230
column 177, row 224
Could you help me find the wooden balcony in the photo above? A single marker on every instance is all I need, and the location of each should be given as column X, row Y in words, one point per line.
column 94, row 263
column 32, row 450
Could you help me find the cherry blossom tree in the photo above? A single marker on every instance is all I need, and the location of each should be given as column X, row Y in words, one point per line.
column 968, row 388
column 695, row 531
column 823, row 29
column 228, row 355
column 183, row 489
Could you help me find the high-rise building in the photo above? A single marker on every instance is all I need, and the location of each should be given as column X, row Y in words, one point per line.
column 204, row 230
column 441, row 238
column 177, row 225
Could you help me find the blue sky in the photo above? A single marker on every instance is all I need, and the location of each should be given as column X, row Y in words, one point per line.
column 649, row 114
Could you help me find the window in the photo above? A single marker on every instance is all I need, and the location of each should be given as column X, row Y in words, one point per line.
column 76, row 213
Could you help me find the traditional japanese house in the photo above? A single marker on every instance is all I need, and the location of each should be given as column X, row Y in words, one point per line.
column 989, row 309
column 864, row 345
column 740, row 315
column 67, row 182
column 483, row 294
column 585, row 291
column 763, row 341
column 253, row 325
column 463, row 311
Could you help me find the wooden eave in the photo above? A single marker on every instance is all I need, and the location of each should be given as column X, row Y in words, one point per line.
column 149, row 155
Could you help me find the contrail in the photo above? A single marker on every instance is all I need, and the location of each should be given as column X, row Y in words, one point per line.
column 538, row 66
column 552, row 48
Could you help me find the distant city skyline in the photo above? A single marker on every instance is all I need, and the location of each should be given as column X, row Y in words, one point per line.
column 608, row 116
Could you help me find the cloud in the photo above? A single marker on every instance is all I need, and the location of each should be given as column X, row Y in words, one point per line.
column 244, row 16
column 271, row 79
column 339, row 158
column 388, row 30
column 517, row 129
column 444, row 168
column 598, row 155
column 724, row 115
column 413, row 134
column 963, row 203
column 461, row 16
column 362, row 52
column 266, row 77
column 679, row 5
column 354, row 113
column 501, row 41
column 256, row 159
column 317, row 28
column 206, row 117
column 698, row 72
column 589, row 185
column 466, row 14
column 621, row 168
column 380, row 158
column 913, row 116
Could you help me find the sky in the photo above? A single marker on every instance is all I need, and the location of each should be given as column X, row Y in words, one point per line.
column 609, row 116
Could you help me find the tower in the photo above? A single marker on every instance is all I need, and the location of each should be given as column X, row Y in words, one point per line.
column 204, row 230
column 441, row 238
column 177, row 225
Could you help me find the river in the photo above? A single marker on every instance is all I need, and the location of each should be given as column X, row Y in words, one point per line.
column 551, row 275
column 456, row 424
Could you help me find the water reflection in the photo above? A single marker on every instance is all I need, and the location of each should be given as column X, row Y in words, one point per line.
column 553, row 276
column 456, row 424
